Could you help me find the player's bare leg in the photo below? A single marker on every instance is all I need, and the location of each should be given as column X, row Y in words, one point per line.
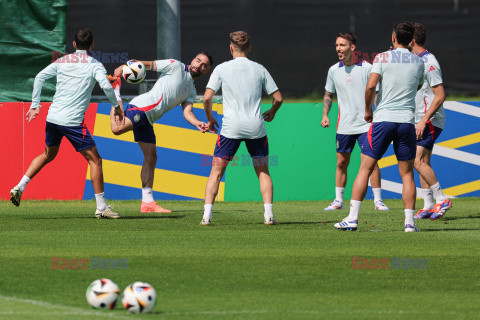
column 359, row 190
column 219, row 166
column 35, row 166
column 96, row 176
column 409, row 191
column 343, row 160
column 431, row 186
column 375, row 182
column 147, row 174
column 266, row 188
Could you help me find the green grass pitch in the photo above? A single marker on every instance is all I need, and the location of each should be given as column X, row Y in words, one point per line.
column 239, row 268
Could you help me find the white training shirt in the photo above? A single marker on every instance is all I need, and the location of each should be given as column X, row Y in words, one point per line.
column 425, row 96
column 174, row 87
column 401, row 73
column 349, row 82
column 242, row 81
column 76, row 74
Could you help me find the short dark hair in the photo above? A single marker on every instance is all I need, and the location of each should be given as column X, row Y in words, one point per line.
column 348, row 36
column 241, row 40
column 420, row 35
column 404, row 32
column 208, row 55
column 84, row 39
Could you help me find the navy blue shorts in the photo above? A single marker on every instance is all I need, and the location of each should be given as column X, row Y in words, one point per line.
column 430, row 135
column 142, row 129
column 226, row 148
column 381, row 134
column 346, row 142
column 79, row 136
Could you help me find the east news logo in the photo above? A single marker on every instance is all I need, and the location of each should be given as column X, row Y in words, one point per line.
column 391, row 263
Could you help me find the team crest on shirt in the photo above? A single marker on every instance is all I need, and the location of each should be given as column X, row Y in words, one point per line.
column 136, row 118
column 349, row 79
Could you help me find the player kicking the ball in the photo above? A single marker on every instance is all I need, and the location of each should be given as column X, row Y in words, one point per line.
column 400, row 74
column 430, row 119
column 242, row 81
column 76, row 75
column 349, row 79
column 175, row 86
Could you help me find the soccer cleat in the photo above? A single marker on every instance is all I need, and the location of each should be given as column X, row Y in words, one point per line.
column 206, row 222
column 16, row 196
column 335, row 205
column 440, row 209
column 346, row 225
column 270, row 221
column 152, row 207
column 411, row 228
column 423, row 214
column 379, row 205
column 107, row 213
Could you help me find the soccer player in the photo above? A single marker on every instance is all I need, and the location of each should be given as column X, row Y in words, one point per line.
column 241, row 81
column 400, row 74
column 430, row 119
column 349, row 79
column 76, row 75
column 175, row 86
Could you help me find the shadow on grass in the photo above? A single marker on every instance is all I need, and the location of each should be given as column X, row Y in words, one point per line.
column 308, row 222
column 459, row 218
column 451, row 229
column 122, row 218
column 154, row 217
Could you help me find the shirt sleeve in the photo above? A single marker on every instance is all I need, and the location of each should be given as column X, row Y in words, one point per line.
column 269, row 86
column 49, row 72
column 101, row 77
column 164, row 65
column 433, row 74
column 193, row 95
column 377, row 65
column 214, row 83
column 330, row 85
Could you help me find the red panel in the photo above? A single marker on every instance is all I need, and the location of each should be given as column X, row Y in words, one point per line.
column 64, row 177
column 11, row 158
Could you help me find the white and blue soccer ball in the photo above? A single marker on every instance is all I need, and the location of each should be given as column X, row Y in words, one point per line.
column 133, row 71
column 103, row 294
column 139, row 297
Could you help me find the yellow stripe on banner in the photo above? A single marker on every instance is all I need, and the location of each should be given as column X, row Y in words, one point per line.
column 167, row 136
column 387, row 162
column 182, row 184
column 463, row 188
column 217, row 107
column 462, row 141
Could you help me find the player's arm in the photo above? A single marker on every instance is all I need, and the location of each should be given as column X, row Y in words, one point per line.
column 276, row 104
column 102, row 79
column 437, row 102
column 370, row 95
column 327, row 105
column 188, row 114
column 208, row 106
column 49, row 72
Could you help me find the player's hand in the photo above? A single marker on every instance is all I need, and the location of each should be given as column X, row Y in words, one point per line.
column 118, row 72
column 202, row 126
column 325, row 122
column 268, row 115
column 419, row 128
column 213, row 126
column 368, row 116
column 119, row 115
column 32, row 113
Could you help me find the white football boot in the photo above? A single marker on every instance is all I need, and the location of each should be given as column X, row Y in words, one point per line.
column 16, row 195
column 335, row 205
column 107, row 213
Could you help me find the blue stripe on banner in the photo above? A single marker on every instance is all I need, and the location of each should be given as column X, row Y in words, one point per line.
column 472, row 103
column 173, row 117
column 472, row 148
column 168, row 159
column 116, row 192
column 464, row 124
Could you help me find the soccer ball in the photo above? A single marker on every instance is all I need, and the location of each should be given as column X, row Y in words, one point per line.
column 139, row 297
column 103, row 294
column 133, row 71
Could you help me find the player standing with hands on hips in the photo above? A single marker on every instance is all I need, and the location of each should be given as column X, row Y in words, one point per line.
column 76, row 75
column 242, row 82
